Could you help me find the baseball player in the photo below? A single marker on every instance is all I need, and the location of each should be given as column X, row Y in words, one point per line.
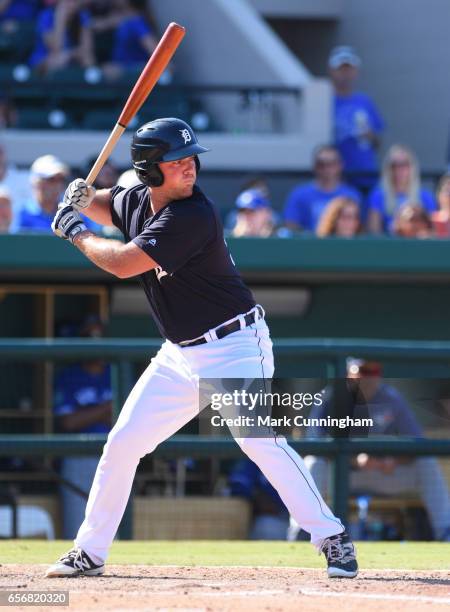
column 212, row 328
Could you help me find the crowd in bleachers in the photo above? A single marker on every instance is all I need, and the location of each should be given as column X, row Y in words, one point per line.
column 63, row 31
column 29, row 198
column 327, row 205
column 64, row 61
column 348, row 195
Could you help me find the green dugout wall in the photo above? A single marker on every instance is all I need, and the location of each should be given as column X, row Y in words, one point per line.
column 365, row 287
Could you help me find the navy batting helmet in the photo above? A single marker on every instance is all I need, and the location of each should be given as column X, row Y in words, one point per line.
column 162, row 140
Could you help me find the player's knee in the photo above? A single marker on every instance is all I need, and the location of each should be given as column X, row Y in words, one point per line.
column 121, row 440
column 253, row 447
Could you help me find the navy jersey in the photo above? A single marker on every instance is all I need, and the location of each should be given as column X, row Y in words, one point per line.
column 196, row 286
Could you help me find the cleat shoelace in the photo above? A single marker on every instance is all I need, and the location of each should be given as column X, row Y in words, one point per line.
column 336, row 551
column 75, row 558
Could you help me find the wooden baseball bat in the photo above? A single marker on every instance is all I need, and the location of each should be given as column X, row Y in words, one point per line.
column 155, row 66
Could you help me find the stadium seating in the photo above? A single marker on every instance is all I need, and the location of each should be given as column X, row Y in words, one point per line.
column 87, row 99
column 16, row 42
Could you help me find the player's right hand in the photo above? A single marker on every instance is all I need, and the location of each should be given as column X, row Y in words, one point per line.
column 79, row 194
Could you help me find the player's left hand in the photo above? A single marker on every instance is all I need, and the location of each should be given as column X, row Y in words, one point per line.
column 67, row 222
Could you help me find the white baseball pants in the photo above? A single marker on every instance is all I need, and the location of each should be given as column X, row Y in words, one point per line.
column 163, row 400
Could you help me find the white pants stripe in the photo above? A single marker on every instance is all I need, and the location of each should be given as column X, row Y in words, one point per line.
column 163, row 400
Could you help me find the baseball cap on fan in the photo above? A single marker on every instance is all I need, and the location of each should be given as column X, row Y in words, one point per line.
column 47, row 166
column 91, row 326
column 364, row 367
column 342, row 55
column 251, row 199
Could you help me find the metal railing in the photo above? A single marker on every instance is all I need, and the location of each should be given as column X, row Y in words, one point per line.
column 121, row 352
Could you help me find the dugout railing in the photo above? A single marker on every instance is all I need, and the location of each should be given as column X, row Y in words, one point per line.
column 121, row 352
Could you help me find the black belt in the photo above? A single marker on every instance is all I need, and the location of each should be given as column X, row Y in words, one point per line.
column 228, row 328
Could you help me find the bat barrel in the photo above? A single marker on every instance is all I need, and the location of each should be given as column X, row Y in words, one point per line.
column 156, row 65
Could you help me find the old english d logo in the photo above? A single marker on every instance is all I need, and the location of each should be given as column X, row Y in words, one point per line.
column 186, row 135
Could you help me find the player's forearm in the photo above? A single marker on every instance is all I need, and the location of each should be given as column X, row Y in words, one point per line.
column 122, row 260
column 85, row 417
column 107, row 254
column 55, row 38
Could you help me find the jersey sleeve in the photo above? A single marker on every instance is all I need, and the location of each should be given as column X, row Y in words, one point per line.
column 177, row 235
column 242, row 479
column 376, row 119
column 376, row 200
column 428, row 201
column 64, row 401
column 85, row 19
column 296, row 209
column 44, row 22
column 140, row 28
column 405, row 420
column 117, row 207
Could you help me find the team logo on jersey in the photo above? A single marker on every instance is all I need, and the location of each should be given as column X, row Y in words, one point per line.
column 186, row 135
column 152, row 241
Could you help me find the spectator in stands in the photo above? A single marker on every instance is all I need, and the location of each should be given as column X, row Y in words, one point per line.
column 306, row 203
column 134, row 38
column 63, row 37
column 105, row 14
column 392, row 416
column 441, row 217
column 48, row 179
column 412, row 221
column 443, row 193
column 400, row 183
column 270, row 516
column 357, row 122
column 340, row 218
column 17, row 183
column 108, row 175
column 18, row 10
column 5, row 211
column 83, row 404
column 255, row 216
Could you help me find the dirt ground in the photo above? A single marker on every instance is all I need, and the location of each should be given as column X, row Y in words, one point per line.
column 246, row 589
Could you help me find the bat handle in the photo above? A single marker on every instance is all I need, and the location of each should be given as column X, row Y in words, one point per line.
column 109, row 145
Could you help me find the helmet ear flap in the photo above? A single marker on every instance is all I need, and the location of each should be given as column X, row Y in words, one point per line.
column 153, row 177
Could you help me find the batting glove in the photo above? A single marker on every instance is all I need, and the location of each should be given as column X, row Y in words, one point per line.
column 67, row 222
column 79, row 194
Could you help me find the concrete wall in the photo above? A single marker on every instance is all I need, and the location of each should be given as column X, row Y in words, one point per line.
column 228, row 42
column 405, row 47
column 306, row 9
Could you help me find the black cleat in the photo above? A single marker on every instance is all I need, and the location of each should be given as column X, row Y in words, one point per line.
column 75, row 563
column 340, row 554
